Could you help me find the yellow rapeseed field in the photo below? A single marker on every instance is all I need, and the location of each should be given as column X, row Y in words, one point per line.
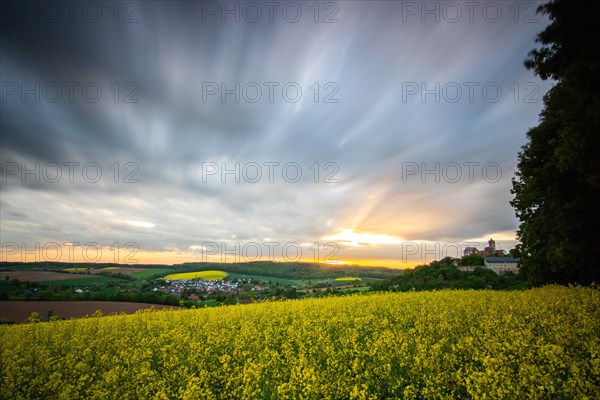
column 541, row 344
column 211, row 275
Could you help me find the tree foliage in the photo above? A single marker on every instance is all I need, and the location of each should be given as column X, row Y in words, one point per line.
column 443, row 274
column 471, row 259
column 557, row 186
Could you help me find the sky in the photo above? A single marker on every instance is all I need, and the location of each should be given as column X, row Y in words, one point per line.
column 368, row 132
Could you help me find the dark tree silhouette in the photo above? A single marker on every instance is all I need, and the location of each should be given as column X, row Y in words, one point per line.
column 557, row 186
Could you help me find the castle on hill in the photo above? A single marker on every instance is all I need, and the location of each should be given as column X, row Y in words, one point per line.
column 494, row 259
column 488, row 251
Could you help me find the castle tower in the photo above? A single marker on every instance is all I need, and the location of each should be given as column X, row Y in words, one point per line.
column 492, row 244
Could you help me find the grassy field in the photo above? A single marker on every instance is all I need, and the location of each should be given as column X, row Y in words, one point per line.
column 280, row 281
column 347, row 279
column 295, row 270
column 357, row 289
column 535, row 344
column 148, row 272
column 334, row 282
column 210, row 275
column 83, row 281
column 41, row 276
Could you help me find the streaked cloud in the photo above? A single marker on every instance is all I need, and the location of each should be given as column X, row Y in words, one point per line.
column 154, row 188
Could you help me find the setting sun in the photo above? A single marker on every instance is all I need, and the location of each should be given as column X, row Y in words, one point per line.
column 354, row 239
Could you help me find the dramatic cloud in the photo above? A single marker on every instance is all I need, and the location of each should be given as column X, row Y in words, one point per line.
column 194, row 129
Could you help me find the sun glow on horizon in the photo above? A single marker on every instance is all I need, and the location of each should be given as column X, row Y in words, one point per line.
column 356, row 239
column 387, row 263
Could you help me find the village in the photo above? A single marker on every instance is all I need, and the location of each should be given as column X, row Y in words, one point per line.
column 232, row 288
column 181, row 286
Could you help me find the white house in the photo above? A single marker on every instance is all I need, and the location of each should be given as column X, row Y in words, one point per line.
column 501, row 265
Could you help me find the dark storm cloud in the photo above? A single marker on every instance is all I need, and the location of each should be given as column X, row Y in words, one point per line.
column 164, row 61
